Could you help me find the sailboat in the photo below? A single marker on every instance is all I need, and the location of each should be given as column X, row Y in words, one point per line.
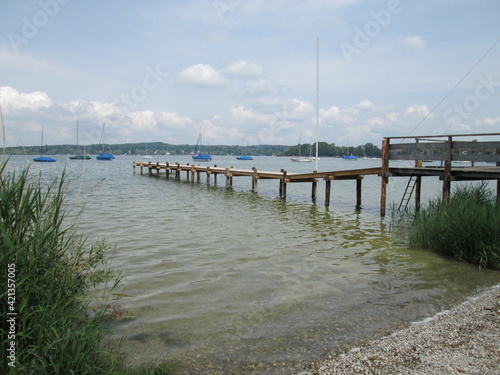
column 78, row 156
column 310, row 154
column 243, row 156
column 41, row 158
column 198, row 155
column 350, row 156
column 301, row 158
column 104, row 155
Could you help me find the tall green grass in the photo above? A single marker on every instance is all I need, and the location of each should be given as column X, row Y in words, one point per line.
column 467, row 226
column 50, row 270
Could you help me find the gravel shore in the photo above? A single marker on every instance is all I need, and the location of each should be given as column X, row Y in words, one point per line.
column 464, row 340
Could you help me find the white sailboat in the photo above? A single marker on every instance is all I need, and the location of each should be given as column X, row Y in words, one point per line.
column 301, row 159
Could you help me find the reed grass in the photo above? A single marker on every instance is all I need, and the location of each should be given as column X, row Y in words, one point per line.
column 466, row 227
column 54, row 268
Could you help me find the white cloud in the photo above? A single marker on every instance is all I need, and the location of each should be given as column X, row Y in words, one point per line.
column 296, row 109
column 12, row 101
column 417, row 111
column 103, row 110
column 335, row 114
column 376, row 121
column 143, row 120
column 243, row 68
column 202, row 75
column 172, row 119
column 416, row 42
column 242, row 115
column 489, row 121
column 366, row 104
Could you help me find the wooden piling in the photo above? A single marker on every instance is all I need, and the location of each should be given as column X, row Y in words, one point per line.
column 314, row 188
column 192, row 173
column 328, row 187
column 447, row 171
column 384, row 174
column 283, row 183
column 255, row 179
column 178, row 172
column 358, row 192
column 418, row 186
column 228, row 178
column 418, row 193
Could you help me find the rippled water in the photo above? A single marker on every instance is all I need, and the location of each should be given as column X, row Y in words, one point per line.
column 224, row 280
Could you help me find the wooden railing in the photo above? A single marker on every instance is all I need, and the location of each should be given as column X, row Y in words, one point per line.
column 446, row 148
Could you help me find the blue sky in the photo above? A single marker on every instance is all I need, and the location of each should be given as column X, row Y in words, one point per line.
column 161, row 70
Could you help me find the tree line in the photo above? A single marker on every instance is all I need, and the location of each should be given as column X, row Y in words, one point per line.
column 330, row 149
column 160, row 148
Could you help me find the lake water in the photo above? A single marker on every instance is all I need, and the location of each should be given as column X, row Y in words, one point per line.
column 231, row 282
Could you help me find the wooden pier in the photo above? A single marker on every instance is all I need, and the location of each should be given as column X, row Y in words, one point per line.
column 423, row 148
column 194, row 172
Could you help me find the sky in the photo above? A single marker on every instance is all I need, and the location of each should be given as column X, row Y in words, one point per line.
column 245, row 71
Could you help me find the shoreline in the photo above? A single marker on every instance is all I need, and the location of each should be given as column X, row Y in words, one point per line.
column 464, row 339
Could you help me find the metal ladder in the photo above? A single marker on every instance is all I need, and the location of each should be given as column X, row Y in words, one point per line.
column 410, row 187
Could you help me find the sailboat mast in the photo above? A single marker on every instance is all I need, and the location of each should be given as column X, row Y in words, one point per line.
column 101, row 139
column 317, row 99
column 41, row 144
column 76, row 146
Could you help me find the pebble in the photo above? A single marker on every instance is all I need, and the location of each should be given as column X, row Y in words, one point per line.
column 465, row 339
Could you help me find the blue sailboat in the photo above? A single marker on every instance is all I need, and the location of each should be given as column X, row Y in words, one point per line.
column 198, row 155
column 243, row 156
column 104, row 155
column 41, row 158
column 350, row 156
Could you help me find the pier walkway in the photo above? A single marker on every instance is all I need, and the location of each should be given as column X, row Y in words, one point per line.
column 194, row 172
column 423, row 148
